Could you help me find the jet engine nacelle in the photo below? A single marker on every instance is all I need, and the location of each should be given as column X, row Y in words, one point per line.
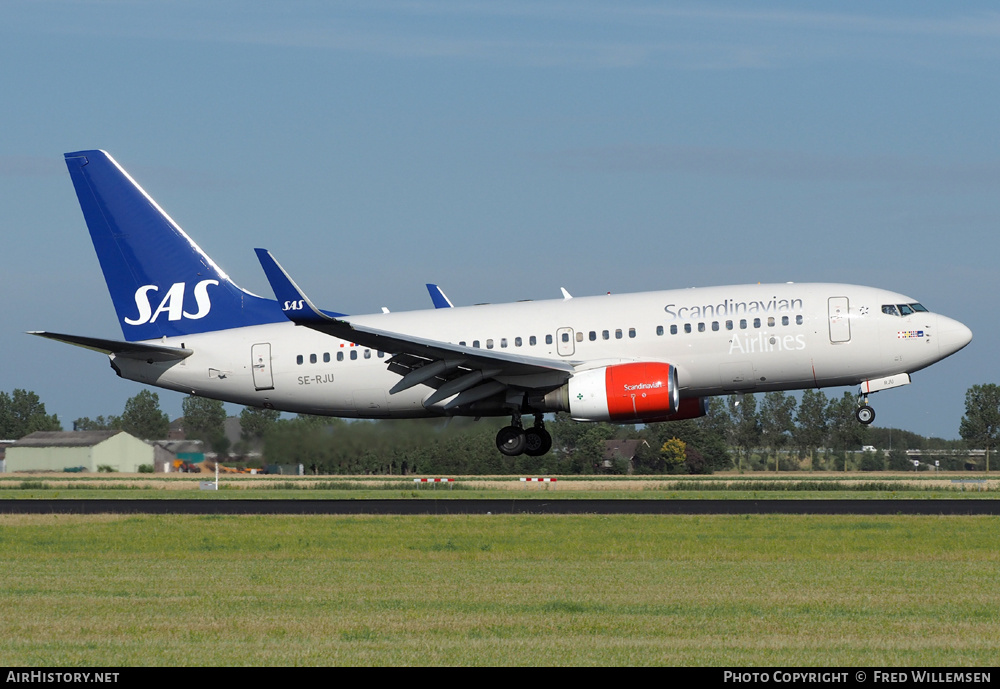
column 689, row 408
column 624, row 392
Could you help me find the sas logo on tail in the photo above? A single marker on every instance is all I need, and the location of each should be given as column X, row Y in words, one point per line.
column 172, row 303
column 293, row 305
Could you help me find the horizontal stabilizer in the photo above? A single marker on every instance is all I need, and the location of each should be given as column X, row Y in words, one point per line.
column 125, row 350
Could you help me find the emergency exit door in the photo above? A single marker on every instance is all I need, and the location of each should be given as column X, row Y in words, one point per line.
column 565, row 344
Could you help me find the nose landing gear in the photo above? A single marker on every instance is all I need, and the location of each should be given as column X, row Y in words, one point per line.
column 513, row 440
column 864, row 413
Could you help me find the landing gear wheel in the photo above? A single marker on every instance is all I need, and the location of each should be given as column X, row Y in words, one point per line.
column 511, row 441
column 537, row 441
column 865, row 414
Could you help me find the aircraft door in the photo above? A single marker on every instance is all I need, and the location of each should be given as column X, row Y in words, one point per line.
column 564, row 342
column 840, row 323
column 260, row 358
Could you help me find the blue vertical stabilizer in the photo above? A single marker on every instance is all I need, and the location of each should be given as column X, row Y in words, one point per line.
column 161, row 282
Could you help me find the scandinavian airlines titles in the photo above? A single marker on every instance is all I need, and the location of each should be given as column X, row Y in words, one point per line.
column 731, row 307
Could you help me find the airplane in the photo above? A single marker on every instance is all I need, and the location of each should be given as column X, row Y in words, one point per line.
column 625, row 358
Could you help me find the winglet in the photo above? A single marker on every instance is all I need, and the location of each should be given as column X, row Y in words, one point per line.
column 293, row 303
column 440, row 299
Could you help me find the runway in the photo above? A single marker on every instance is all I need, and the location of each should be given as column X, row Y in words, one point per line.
column 537, row 506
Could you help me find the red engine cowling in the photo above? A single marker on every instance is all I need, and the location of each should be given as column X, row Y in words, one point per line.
column 624, row 392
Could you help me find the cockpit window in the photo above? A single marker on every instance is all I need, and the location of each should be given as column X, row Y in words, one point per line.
column 902, row 309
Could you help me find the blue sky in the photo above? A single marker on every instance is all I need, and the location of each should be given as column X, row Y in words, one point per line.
column 505, row 150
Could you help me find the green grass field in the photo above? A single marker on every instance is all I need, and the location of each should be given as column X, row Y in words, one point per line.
column 499, row 590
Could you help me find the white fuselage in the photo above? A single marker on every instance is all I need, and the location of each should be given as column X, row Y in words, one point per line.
column 721, row 340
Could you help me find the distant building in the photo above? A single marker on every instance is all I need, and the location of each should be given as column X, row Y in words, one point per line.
column 232, row 428
column 4, row 444
column 59, row 451
column 166, row 454
column 621, row 450
column 176, row 430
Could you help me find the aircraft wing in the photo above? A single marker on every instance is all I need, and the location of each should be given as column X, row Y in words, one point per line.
column 125, row 350
column 449, row 367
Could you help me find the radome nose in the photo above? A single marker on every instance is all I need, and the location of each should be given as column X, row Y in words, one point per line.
column 952, row 335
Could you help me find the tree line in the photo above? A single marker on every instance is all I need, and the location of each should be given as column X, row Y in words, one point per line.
column 769, row 432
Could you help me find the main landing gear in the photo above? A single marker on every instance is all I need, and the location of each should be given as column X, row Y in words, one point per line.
column 513, row 440
column 864, row 413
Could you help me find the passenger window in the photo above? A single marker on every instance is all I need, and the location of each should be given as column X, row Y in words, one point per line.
column 715, row 326
column 298, row 359
column 784, row 320
column 489, row 343
column 517, row 341
column 532, row 341
column 673, row 330
column 618, row 334
column 340, row 356
column 354, row 354
column 579, row 336
column 631, row 332
column 701, row 327
column 798, row 320
column 312, row 358
column 605, row 335
column 729, row 325
column 503, row 343
column 687, row 327
column 565, row 337
column 743, row 324
column 593, row 335
column 326, row 357
column 770, row 321
column 462, row 343
column 548, row 339
column 380, row 355
column 756, row 322
column 475, row 343
column 659, row 330
column 368, row 354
